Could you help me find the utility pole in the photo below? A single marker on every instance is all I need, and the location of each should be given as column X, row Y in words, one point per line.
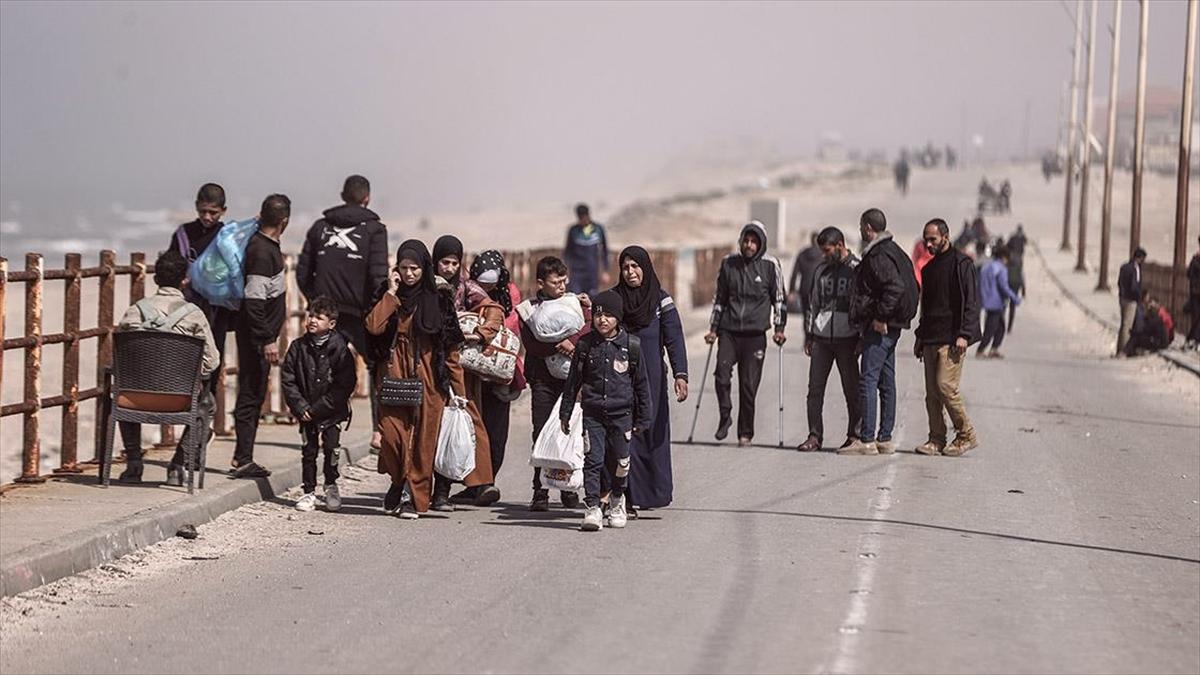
column 1139, row 131
column 1081, row 238
column 1110, row 154
column 1185, row 159
column 1072, row 127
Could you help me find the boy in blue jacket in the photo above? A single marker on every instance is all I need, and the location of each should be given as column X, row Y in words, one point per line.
column 607, row 368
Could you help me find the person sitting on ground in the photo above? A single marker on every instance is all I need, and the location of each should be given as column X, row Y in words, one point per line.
column 318, row 377
column 608, row 368
column 1150, row 331
column 168, row 311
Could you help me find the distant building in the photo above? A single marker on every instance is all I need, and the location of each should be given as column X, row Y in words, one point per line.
column 1161, row 150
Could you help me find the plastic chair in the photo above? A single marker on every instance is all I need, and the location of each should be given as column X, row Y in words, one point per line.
column 155, row 379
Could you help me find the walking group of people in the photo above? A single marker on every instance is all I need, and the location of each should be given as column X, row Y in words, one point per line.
column 422, row 324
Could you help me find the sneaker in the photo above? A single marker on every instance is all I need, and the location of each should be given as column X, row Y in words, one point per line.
column 858, row 447
column 465, row 496
column 723, row 428
column 813, row 444
column 487, row 495
column 930, row 447
column 850, row 440
column 744, row 442
column 308, row 502
column 391, row 501
column 251, row 470
column 593, row 520
column 995, row 355
column 176, row 477
column 441, row 503
column 570, row 500
column 540, row 501
column 333, row 497
column 616, row 514
column 962, row 443
column 885, row 447
column 132, row 475
column 408, row 511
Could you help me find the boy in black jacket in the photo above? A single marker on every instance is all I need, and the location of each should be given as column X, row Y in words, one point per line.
column 607, row 366
column 318, row 377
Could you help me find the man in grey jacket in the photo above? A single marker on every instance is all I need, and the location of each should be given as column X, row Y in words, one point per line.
column 168, row 311
column 830, row 336
column 749, row 290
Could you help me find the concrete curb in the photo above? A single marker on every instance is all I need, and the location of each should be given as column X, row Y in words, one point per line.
column 1164, row 354
column 85, row 549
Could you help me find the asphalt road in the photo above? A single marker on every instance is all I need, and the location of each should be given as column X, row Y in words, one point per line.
column 1067, row 542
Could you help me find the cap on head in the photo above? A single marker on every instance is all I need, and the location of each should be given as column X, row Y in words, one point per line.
column 610, row 303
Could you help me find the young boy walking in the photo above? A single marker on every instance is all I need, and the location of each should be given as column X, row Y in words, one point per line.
column 607, row 366
column 318, row 377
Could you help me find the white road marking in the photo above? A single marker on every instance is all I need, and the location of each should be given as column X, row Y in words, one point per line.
column 864, row 579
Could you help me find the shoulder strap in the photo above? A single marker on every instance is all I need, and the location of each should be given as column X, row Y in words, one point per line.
column 150, row 314
column 185, row 244
column 635, row 351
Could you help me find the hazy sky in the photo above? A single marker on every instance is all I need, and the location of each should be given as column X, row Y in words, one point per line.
column 459, row 105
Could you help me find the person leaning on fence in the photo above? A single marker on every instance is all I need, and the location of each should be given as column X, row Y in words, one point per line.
column 168, row 311
column 949, row 325
column 190, row 240
column 1129, row 294
column 544, row 387
column 345, row 258
column 318, row 377
column 830, row 337
column 749, row 291
column 608, row 375
column 264, row 309
column 467, row 296
column 414, row 331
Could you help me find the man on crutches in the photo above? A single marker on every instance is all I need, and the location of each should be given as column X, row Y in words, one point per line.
column 750, row 299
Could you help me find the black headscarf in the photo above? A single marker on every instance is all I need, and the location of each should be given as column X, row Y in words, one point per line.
column 420, row 301
column 492, row 260
column 448, row 245
column 641, row 303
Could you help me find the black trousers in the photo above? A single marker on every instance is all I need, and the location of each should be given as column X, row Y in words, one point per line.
column 543, row 395
column 253, row 371
column 495, row 419
column 747, row 351
column 316, row 439
column 354, row 332
column 993, row 330
column 824, row 354
column 1012, row 307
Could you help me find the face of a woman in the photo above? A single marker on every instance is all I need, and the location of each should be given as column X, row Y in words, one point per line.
column 631, row 272
column 410, row 272
column 448, row 267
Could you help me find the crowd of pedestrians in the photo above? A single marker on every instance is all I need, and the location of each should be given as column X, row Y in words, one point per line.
column 443, row 331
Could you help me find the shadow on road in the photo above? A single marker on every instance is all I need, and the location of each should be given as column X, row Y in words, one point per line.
column 945, row 528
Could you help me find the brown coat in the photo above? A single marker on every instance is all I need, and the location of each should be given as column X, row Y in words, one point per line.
column 410, row 434
column 492, row 320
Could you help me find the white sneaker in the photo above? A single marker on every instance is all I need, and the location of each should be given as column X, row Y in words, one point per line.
column 593, row 519
column 617, row 517
column 307, row 503
column 408, row 511
column 333, row 498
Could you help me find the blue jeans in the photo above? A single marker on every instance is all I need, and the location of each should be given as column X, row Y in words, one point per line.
column 606, row 464
column 878, row 370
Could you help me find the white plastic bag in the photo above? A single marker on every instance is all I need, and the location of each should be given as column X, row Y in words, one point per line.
column 455, row 456
column 556, row 320
column 556, row 450
column 561, row 479
column 559, row 365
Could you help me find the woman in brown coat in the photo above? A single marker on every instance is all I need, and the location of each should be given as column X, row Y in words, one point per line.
column 468, row 296
column 414, row 330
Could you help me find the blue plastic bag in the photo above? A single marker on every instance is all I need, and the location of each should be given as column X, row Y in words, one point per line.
column 216, row 274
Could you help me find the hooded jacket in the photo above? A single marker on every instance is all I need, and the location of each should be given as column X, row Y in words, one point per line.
column 345, row 257
column 748, row 289
column 885, row 286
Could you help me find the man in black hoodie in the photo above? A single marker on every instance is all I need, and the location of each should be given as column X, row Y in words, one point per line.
column 884, row 303
column 749, row 290
column 345, row 257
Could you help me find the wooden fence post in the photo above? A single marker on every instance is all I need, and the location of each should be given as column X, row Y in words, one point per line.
column 104, row 348
column 69, row 460
column 31, row 443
